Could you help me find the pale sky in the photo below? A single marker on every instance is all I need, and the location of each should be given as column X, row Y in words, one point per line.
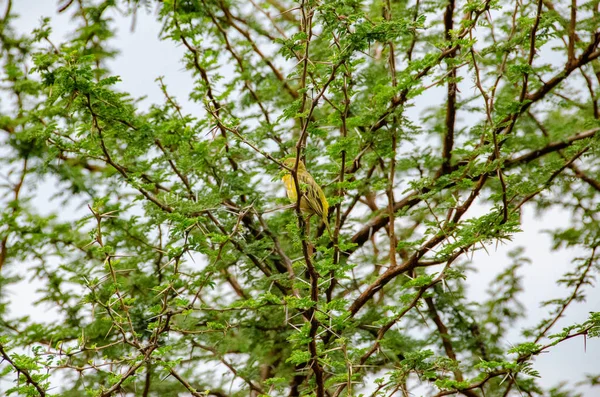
column 143, row 58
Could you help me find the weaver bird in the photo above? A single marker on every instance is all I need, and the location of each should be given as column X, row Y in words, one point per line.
column 313, row 200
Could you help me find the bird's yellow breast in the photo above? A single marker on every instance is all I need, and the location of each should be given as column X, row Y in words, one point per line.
column 290, row 187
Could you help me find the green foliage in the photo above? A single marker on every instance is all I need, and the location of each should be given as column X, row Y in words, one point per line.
column 164, row 252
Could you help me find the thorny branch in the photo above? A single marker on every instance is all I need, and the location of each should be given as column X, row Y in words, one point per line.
column 251, row 236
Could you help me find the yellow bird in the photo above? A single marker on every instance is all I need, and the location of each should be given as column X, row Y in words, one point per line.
column 313, row 200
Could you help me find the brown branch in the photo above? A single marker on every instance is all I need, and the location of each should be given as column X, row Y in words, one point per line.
column 286, row 260
column 131, row 371
column 392, row 273
column 413, row 42
column 588, row 55
column 560, row 313
column 389, row 191
column 572, row 24
column 240, row 63
column 14, row 209
column 108, row 260
column 383, row 330
column 24, row 371
column 444, row 335
column 253, row 258
column 400, row 99
column 550, row 148
column 258, row 52
column 186, row 384
column 476, row 385
column 551, row 178
column 584, row 177
column 448, row 142
column 181, row 176
column 341, row 190
column 590, row 87
column 307, row 15
column 204, row 75
column 119, row 168
column 79, row 162
column 283, row 12
column 231, row 368
column 147, row 380
column 572, row 297
column 234, row 284
column 413, row 198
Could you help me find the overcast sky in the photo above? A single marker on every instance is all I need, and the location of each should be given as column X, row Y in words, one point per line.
column 143, row 58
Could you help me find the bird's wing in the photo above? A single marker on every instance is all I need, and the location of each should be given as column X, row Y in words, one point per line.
column 313, row 193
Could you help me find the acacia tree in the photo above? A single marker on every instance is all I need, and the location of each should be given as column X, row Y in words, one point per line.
column 187, row 276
